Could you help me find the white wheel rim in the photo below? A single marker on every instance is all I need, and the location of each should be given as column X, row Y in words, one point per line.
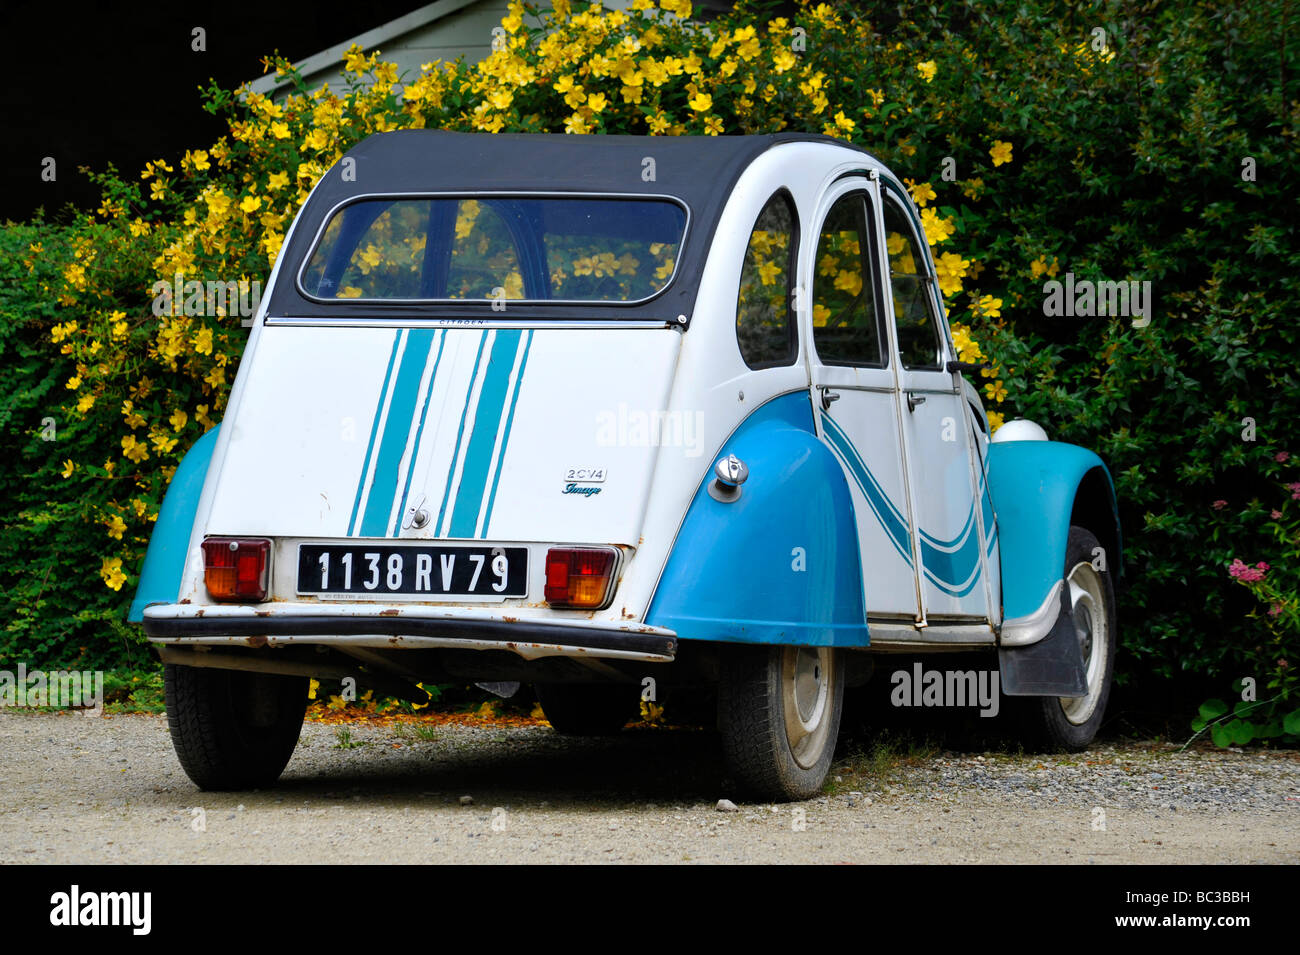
column 807, row 678
column 1092, row 628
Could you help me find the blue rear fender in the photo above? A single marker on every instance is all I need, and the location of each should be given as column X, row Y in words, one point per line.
column 164, row 561
column 1039, row 488
column 780, row 565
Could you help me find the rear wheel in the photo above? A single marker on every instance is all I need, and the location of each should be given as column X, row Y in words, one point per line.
column 779, row 714
column 233, row 729
column 587, row 709
column 1072, row 723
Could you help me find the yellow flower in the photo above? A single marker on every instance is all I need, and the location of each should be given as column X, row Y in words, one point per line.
column 178, row 419
column 316, row 139
column 700, row 102
column 1000, row 153
column 820, row 314
column 354, row 59
column 116, row 526
column 927, row 69
column 783, row 60
column 1039, row 267
column 277, row 181
column 989, row 306
column 68, row 468
column 996, row 390
column 597, row 102
column 949, row 269
column 250, row 204
column 995, row 420
column 85, row 403
column 133, row 449
column 73, row 383
column 936, row 229
column 111, row 572
column 679, row 8
column 922, row 192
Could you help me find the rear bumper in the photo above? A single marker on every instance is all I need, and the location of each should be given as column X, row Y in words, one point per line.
column 405, row 626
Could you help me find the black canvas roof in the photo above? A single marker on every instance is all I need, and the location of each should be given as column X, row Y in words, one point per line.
column 698, row 170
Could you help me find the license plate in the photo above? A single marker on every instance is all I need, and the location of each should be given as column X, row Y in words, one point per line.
column 413, row 570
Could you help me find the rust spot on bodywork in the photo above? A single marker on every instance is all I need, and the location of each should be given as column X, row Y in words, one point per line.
column 509, row 619
column 391, row 612
column 262, row 613
column 186, row 600
column 257, row 641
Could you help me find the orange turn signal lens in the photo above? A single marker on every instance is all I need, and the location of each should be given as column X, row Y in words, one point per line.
column 579, row 577
column 237, row 568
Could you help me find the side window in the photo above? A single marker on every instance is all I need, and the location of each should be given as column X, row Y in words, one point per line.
column 765, row 330
column 919, row 337
column 846, row 324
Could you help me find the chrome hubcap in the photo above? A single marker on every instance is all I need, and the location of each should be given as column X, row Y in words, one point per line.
column 1088, row 608
column 806, row 683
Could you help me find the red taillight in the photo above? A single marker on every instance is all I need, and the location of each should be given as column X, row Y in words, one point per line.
column 579, row 576
column 236, row 568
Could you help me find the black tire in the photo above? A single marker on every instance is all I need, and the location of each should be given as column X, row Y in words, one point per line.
column 779, row 716
column 233, row 729
column 587, row 709
column 1058, row 723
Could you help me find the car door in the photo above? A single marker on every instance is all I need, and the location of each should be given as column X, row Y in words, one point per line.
column 855, row 391
column 942, row 464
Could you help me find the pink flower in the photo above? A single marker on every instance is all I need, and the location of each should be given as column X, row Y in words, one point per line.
column 1245, row 573
column 1274, row 610
column 1281, row 457
column 1219, row 505
column 1275, row 514
column 1294, row 488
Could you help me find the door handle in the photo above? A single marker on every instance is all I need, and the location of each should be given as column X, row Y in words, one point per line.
column 827, row 397
column 913, row 400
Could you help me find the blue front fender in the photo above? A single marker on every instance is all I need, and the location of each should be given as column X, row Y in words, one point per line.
column 164, row 562
column 780, row 565
column 1034, row 485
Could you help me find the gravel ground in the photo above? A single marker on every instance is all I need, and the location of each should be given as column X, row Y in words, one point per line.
column 79, row 790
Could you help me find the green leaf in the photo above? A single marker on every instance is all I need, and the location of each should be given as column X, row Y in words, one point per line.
column 1220, row 736
column 1240, row 732
column 1291, row 723
column 1212, row 709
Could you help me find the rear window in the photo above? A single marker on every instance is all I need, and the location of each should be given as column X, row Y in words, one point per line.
column 556, row 249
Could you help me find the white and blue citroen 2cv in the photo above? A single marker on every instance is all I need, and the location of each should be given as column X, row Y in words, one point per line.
column 603, row 413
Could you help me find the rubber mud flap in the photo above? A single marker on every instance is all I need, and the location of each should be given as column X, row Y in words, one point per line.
column 1051, row 667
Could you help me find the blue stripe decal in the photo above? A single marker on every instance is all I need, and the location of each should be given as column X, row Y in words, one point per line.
column 374, row 430
column 419, row 433
column 451, row 471
column 483, row 438
column 406, row 388
column 955, row 572
column 888, row 516
column 505, row 440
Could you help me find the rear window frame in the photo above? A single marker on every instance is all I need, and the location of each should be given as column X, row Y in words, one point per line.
column 487, row 302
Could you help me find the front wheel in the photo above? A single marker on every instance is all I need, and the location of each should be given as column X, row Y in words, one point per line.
column 1072, row 723
column 233, row 729
column 779, row 715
